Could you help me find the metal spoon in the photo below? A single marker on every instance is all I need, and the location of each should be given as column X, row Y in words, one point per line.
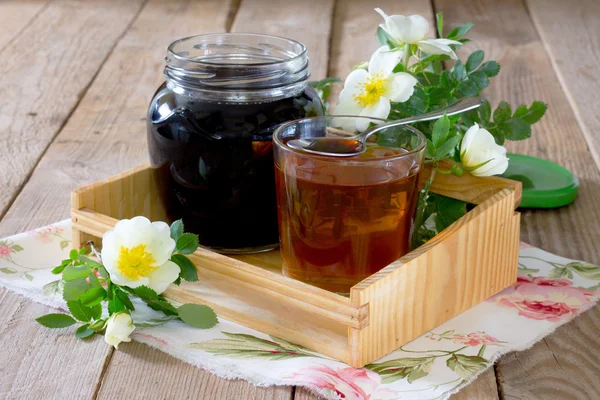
column 356, row 144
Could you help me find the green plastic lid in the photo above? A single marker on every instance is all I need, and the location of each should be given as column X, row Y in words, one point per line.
column 545, row 184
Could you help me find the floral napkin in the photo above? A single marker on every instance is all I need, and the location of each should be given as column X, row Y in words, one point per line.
column 550, row 291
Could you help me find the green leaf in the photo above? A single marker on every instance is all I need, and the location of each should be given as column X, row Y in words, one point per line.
column 400, row 368
column 98, row 325
column 145, row 293
column 58, row 270
column 468, row 88
column 93, row 296
column 480, row 79
column 474, row 60
column 121, row 295
column 75, row 288
column 485, row 111
column 458, row 71
column 51, row 288
column 533, row 114
column 64, row 244
column 502, row 113
column 458, row 32
column 490, row 68
column 75, row 272
column 16, row 247
column 103, row 272
column 188, row 270
column 430, row 150
column 415, row 105
column 466, row 366
column 162, row 305
column 89, row 262
column 383, row 38
column 187, row 243
column 448, row 210
column 440, row 131
column 198, row 316
column 73, row 254
column 176, row 229
column 80, row 311
column 115, row 305
column 439, row 18
column 515, row 129
column 28, row 276
column 94, row 282
column 96, row 311
column 586, row 270
column 446, row 149
column 8, row 270
column 56, row 320
column 84, row 332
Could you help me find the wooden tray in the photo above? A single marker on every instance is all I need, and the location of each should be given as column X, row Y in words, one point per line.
column 465, row 264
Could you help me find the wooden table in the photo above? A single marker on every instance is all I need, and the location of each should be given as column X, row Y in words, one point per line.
column 75, row 81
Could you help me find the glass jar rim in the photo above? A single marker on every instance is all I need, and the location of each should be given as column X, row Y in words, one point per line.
column 171, row 52
column 237, row 67
column 347, row 160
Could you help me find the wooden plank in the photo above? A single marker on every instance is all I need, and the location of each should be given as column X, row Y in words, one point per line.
column 141, row 371
column 439, row 280
column 44, row 73
column 19, row 14
column 483, row 388
column 574, row 51
column 304, row 21
column 40, row 362
column 507, row 34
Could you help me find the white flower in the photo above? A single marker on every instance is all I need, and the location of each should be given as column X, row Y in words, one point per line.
column 413, row 30
column 118, row 328
column 478, row 147
column 368, row 92
column 137, row 252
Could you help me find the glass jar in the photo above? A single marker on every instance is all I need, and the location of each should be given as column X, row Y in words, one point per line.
column 210, row 128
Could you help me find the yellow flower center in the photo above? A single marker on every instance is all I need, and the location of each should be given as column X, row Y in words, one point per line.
column 135, row 262
column 372, row 90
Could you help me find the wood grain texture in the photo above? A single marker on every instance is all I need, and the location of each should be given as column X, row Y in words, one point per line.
column 140, row 370
column 18, row 15
column 438, row 280
column 307, row 21
column 506, row 32
column 43, row 75
column 40, row 362
column 483, row 388
column 571, row 35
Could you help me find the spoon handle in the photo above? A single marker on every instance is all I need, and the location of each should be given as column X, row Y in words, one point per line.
column 466, row 104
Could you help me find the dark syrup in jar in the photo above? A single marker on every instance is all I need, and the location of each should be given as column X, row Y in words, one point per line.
column 214, row 164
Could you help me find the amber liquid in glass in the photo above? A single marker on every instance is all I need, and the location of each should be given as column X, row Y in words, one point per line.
column 335, row 230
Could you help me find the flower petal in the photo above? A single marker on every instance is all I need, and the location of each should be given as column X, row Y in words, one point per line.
column 354, row 82
column 438, row 46
column 412, row 29
column 383, row 61
column 402, row 86
column 163, row 276
column 379, row 110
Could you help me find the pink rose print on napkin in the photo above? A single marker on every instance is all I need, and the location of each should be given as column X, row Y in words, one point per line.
column 544, row 299
column 5, row 250
column 347, row 383
column 475, row 339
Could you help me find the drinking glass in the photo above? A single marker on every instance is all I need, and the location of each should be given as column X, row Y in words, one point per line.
column 341, row 219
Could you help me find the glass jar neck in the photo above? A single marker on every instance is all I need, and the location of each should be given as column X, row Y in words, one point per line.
column 237, row 67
